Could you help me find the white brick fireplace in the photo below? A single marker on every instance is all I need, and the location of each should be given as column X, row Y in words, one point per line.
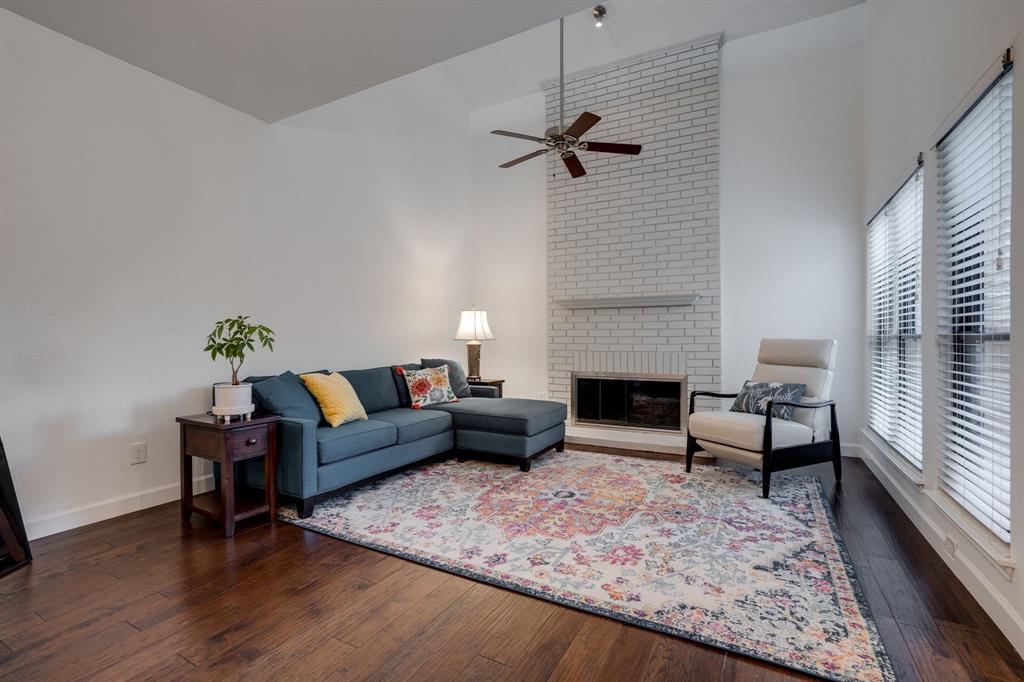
column 633, row 242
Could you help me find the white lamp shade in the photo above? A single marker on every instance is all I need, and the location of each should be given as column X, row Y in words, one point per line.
column 473, row 326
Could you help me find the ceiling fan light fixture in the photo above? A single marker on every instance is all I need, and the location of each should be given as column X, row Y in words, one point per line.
column 599, row 15
column 566, row 141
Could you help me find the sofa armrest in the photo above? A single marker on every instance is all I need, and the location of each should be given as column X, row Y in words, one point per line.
column 484, row 391
column 296, row 457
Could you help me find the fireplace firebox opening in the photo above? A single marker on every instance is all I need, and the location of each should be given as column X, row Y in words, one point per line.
column 631, row 401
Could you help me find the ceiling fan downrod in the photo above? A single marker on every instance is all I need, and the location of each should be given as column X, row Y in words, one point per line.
column 561, row 75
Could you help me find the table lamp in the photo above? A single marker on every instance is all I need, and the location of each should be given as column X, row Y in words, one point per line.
column 473, row 329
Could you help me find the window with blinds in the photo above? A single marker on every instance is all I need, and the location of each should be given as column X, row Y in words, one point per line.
column 973, row 316
column 894, row 320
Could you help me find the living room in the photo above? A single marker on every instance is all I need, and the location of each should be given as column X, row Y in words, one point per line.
column 468, row 375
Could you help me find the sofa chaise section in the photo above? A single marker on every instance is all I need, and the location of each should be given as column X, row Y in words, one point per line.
column 519, row 429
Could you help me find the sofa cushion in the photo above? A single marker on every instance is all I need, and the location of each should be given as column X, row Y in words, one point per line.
column 354, row 438
column 375, row 387
column 456, row 376
column 414, row 424
column 520, row 416
column 746, row 431
column 286, row 396
column 399, row 377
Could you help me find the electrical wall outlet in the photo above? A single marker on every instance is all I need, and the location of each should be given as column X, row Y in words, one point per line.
column 950, row 545
column 138, row 453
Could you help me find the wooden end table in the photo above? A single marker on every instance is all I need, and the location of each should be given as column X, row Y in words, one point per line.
column 204, row 436
column 497, row 383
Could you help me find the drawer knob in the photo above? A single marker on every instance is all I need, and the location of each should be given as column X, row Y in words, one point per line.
column 250, row 441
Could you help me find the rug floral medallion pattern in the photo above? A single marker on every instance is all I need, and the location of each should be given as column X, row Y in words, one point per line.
column 701, row 555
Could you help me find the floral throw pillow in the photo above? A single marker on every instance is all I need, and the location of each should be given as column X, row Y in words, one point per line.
column 754, row 397
column 429, row 386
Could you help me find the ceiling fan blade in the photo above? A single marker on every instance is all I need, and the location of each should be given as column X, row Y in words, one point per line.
column 613, row 148
column 525, row 157
column 572, row 162
column 519, row 135
column 582, row 124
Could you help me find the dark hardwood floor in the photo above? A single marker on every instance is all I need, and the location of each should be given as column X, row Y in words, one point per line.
column 141, row 597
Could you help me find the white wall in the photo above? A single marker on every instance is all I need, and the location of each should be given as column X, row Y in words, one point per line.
column 136, row 212
column 922, row 59
column 375, row 203
column 792, row 236
column 509, row 245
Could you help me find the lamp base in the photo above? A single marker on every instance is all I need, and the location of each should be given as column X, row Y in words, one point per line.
column 473, row 355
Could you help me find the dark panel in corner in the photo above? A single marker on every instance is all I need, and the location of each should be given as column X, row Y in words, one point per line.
column 14, row 549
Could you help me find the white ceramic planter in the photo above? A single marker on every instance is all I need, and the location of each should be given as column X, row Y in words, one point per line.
column 229, row 400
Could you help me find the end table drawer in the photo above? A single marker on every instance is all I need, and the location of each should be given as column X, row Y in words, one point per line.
column 243, row 443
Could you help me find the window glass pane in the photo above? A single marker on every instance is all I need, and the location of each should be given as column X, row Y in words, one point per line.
column 974, row 309
column 894, row 321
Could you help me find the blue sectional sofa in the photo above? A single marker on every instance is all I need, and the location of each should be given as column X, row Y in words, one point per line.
column 316, row 461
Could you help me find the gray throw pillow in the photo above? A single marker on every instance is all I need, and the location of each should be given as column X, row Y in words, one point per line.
column 286, row 396
column 754, row 397
column 456, row 375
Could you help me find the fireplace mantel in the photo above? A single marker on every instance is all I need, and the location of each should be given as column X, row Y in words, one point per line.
column 641, row 301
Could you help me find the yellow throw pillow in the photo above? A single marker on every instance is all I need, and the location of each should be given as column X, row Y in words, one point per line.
column 338, row 400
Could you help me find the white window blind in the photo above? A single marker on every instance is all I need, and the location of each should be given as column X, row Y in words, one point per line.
column 894, row 320
column 973, row 316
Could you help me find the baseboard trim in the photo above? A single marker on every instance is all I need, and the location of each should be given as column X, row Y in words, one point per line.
column 41, row 526
column 855, row 450
column 934, row 529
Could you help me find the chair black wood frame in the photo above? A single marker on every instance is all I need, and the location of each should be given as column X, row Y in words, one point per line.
column 780, row 459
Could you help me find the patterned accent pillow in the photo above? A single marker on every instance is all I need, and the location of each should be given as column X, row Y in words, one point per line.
column 429, row 386
column 754, row 397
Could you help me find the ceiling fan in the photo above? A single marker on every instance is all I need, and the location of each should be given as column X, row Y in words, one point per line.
column 566, row 141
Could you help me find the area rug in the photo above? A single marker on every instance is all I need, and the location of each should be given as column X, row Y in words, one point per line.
column 700, row 556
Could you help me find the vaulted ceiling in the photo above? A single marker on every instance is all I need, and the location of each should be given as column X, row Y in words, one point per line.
column 275, row 58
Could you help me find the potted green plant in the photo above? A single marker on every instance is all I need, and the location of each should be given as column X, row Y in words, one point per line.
column 231, row 339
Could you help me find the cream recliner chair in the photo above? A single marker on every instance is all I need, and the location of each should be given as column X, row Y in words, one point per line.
column 768, row 443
